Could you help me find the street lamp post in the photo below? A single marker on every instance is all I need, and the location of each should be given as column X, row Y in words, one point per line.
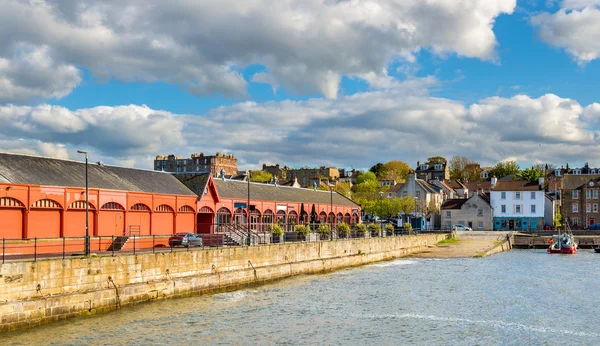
column 331, row 210
column 87, row 205
column 381, row 211
column 248, row 209
column 416, row 210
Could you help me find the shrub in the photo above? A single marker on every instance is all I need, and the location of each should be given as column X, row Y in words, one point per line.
column 302, row 231
column 408, row 227
column 374, row 229
column 343, row 229
column 389, row 229
column 275, row 230
column 360, row 229
column 324, row 230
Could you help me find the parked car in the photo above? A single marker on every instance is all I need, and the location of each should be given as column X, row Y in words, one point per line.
column 593, row 227
column 461, row 228
column 185, row 239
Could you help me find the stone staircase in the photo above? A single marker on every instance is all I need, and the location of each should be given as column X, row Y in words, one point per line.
column 118, row 243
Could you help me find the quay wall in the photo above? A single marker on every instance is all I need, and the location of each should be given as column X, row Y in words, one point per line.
column 35, row 293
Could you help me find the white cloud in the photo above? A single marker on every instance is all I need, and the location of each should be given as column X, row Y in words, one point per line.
column 575, row 28
column 355, row 130
column 306, row 46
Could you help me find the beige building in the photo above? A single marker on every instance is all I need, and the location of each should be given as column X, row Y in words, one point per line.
column 307, row 176
column 197, row 163
column 427, row 197
column 475, row 212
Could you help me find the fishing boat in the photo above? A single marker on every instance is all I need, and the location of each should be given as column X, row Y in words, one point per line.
column 563, row 243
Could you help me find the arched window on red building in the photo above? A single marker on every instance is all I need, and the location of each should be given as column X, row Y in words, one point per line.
column 223, row 219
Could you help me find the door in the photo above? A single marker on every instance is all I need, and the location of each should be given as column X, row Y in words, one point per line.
column 471, row 224
column 511, row 224
column 533, row 224
column 11, row 223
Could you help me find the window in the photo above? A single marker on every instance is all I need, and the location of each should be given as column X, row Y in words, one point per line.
column 438, row 166
column 532, row 195
column 423, row 167
column 518, row 195
column 595, row 207
column 575, row 194
column 588, row 194
column 448, row 214
column 504, row 208
column 588, row 208
column 517, row 209
column 448, row 225
column 577, row 171
column 418, row 194
column 575, row 221
column 595, row 194
column 502, row 195
column 480, row 212
column 404, row 193
column 533, row 208
column 480, row 224
column 557, row 172
column 575, row 207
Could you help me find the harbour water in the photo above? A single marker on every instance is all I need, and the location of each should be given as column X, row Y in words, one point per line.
column 522, row 297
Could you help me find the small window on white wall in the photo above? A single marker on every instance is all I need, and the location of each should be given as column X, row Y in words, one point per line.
column 532, row 195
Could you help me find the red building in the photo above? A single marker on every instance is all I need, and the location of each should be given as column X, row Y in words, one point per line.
column 45, row 198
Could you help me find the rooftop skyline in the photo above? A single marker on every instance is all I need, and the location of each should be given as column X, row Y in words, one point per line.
column 302, row 82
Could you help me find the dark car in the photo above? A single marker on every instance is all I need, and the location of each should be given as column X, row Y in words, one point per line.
column 593, row 227
column 185, row 239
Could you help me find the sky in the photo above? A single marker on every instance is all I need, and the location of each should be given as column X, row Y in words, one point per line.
column 345, row 83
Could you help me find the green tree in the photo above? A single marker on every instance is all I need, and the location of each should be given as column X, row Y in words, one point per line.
column 436, row 160
column 532, row 174
column 505, row 168
column 366, row 176
column 406, row 205
column 261, row 177
column 376, row 168
column 367, row 195
column 394, row 170
column 462, row 168
column 343, row 189
column 557, row 219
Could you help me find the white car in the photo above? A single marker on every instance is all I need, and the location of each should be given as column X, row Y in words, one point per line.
column 461, row 228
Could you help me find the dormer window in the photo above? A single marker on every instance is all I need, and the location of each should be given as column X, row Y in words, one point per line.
column 438, row 166
column 577, row 171
column 557, row 172
column 593, row 171
column 423, row 167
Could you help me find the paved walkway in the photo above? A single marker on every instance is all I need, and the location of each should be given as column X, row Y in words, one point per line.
column 469, row 244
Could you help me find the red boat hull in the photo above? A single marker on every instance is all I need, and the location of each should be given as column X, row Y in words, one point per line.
column 563, row 250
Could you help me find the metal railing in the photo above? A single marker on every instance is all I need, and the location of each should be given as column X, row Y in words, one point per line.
column 38, row 248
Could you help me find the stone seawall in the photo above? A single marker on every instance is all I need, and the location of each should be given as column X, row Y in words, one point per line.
column 35, row 293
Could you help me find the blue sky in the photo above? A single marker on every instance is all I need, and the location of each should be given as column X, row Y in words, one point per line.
column 304, row 82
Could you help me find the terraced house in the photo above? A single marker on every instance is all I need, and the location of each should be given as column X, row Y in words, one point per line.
column 579, row 195
column 518, row 205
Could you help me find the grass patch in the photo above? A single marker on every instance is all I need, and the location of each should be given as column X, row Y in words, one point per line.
column 449, row 241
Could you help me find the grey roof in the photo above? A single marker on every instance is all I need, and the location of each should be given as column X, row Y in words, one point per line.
column 35, row 170
column 429, row 188
column 268, row 192
column 196, row 182
column 574, row 181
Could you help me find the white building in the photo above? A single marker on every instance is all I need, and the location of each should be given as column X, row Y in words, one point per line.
column 518, row 205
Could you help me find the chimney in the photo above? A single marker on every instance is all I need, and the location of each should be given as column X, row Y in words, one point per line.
column 541, row 181
column 494, row 181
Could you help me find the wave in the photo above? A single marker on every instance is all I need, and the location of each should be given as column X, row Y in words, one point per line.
column 395, row 263
column 496, row 323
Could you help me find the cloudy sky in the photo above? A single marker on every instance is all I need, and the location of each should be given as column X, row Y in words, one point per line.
column 302, row 82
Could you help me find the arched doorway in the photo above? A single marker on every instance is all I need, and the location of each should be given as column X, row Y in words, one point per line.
column 184, row 220
column 223, row 219
column 111, row 219
column 331, row 219
column 340, row 218
column 138, row 220
column 11, row 218
column 255, row 219
column 267, row 219
column 292, row 220
column 355, row 218
column 281, row 219
column 322, row 217
column 239, row 217
column 75, row 220
column 347, row 218
column 204, row 220
column 44, row 219
column 304, row 218
column 162, row 220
